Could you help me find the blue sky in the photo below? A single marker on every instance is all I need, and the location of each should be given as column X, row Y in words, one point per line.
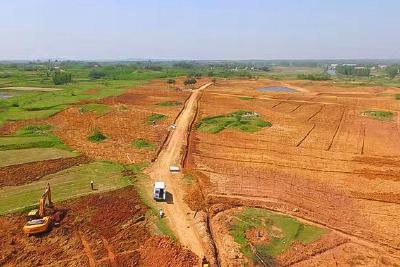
column 202, row 29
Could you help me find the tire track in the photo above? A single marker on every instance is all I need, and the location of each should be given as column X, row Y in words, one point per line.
column 316, row 113
column 337, row 130
column 111, row 255
column 87, row 250
column 276, row 105
column 296, row 108
column 305, row 137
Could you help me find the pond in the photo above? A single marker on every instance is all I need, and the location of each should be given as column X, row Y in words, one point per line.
column 276, row 89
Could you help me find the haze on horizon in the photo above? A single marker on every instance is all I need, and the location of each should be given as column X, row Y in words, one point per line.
column 207, row 29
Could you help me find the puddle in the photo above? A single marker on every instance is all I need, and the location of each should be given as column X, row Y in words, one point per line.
column 276, row 89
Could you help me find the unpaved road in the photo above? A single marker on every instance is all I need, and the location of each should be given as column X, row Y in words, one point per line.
column 178, row 214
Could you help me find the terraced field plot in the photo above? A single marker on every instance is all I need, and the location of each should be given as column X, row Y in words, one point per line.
column 66, row 184
column 20, row 156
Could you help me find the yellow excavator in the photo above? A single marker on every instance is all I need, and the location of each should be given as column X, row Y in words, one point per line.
column 38, row 222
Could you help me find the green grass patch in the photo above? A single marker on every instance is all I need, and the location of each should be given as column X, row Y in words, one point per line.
column 189, row 179
column 169, row 104
column 282, row 231
column 32, row 136
column 246, row 98
column 98, row 109
column 379, row 115
column 397, row 96
column 245, row 121
column 156, row 117
column 23, row 142
column 12, row 157
column 143, row 144
column 34, row 130
column 97, row 136
column 66, row 184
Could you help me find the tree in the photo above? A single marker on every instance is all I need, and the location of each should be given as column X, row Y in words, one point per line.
column 351, row 70
column 61, row 77
column 190, row 82
column 96, row 74
column 170, row 82
column 392, row 71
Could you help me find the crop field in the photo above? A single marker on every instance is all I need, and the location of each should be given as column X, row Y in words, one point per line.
column 310, row 163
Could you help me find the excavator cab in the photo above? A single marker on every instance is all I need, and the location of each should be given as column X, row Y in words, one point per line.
column 38, row 222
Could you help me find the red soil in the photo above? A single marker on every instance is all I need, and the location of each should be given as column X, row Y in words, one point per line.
column 28, row 172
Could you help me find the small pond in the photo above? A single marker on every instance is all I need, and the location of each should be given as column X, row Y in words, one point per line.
column 276, row 89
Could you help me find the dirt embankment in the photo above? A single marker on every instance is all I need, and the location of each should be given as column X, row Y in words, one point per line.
column 29, row 172
column 107, row 229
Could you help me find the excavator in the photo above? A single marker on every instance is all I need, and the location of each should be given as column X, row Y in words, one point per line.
column 38, row 222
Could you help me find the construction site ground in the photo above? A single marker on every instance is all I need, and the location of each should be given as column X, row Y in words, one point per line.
column 321, row 162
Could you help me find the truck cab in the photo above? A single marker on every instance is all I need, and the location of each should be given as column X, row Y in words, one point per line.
column 159, row 191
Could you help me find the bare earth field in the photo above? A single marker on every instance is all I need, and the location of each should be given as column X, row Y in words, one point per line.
column 321, row 161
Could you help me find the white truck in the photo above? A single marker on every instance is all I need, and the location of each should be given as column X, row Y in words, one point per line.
column 159, row 191
column 174, row 168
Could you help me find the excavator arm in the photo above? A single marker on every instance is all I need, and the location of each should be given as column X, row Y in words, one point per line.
column 42, row 202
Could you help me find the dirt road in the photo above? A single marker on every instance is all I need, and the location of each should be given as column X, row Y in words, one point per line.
column 178, row 214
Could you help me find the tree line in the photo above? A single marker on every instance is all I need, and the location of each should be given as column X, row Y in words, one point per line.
column 353, row 71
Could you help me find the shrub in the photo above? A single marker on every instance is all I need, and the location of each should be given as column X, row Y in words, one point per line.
column 314, row 77
column 96, row 74
column 97, row 136
column 61, row 78
column 156, row 117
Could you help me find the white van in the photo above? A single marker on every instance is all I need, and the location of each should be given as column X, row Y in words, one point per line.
column 159, row 191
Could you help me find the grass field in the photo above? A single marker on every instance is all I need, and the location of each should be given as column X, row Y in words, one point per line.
column 98, row 109
column 169, row 104
column 246, row 98
column 66, row 184
column 155, row 117
column 32, row 136
column 20, row 156
column 379, row 115
column 282, row 231
column 143, row 144
column 244, row 121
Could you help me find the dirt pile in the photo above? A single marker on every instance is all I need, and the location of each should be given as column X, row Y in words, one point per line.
column 159, row 251
column 33, row 171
